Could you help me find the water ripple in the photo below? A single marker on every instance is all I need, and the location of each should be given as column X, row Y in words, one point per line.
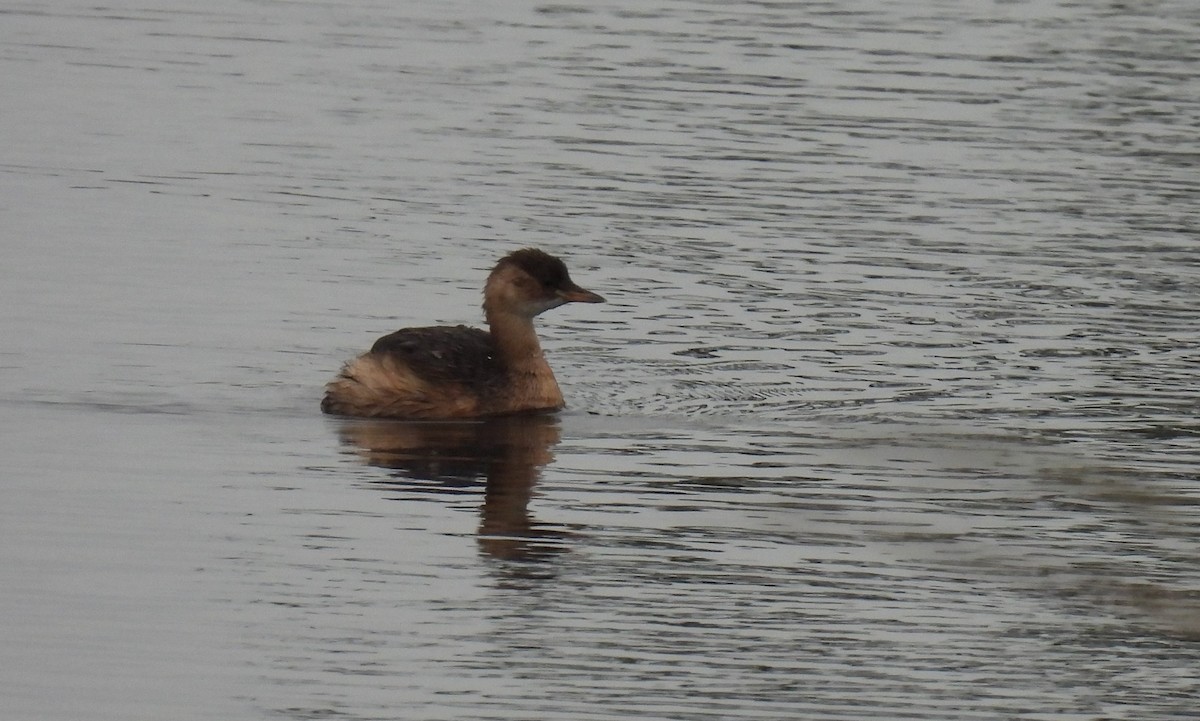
column 892, row 410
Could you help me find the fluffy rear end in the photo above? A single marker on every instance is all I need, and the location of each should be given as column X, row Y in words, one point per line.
column 375, row 385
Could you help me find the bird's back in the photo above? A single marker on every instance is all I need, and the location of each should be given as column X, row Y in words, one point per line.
column 444, row 354
column 434, row 372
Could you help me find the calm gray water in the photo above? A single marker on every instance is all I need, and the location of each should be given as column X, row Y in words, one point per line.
column 892, row 412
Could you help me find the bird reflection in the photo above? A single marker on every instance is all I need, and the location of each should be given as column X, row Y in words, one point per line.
column 450, row 457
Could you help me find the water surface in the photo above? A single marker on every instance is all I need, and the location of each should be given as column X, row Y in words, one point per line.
column 892, row 410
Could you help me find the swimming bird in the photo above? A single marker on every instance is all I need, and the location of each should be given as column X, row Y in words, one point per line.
column 449, row 372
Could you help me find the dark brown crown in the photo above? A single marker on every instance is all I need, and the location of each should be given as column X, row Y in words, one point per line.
column 541, row 266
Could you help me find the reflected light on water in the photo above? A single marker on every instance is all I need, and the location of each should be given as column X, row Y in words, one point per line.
column 505, row 455
column 891, row 412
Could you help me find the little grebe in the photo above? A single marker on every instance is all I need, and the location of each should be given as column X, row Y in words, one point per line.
column 445, row 372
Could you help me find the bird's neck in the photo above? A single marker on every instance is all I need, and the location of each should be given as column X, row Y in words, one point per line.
column 516, row 341
column 532, row 382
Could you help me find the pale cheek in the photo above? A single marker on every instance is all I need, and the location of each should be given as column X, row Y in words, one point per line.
column 541, row 306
